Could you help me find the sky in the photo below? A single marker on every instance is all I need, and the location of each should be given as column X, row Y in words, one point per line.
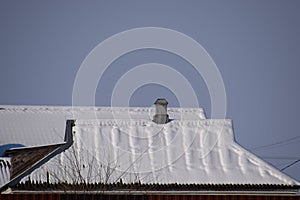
column 254, row 44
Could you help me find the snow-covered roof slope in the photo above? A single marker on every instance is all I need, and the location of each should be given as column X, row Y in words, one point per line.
column 123, row 143
column 4, row 170
column 200, row 151
column 41, row 125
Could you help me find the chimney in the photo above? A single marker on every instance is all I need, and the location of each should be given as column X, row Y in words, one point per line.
column 161, row 116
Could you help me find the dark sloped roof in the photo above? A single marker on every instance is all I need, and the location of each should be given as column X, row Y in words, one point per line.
column 24, row 158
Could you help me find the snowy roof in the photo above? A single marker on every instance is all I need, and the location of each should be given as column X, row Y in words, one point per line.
column 123, row 143
column 41, row 125
column 4, row 170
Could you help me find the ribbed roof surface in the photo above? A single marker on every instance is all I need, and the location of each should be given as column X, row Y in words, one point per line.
column 186, row 152
column 41, row 125
column 123, row 143
column 4, row 170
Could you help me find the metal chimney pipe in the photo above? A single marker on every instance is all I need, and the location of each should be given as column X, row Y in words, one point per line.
column 161, row 116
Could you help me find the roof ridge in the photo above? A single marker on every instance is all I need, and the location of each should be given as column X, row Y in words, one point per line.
column 113, row 122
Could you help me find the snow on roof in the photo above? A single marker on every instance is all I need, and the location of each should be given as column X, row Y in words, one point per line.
column 123, row 143
column 4, row 170
column 42, row 125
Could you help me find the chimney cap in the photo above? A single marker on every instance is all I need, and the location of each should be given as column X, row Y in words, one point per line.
column 161, row 101
column 161, row 116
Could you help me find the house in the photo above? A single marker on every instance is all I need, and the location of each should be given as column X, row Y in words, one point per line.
column 115, row 149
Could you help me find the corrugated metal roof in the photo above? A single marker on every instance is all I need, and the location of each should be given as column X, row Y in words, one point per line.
column 4, row 170
column 42, row 125
column 111, row 144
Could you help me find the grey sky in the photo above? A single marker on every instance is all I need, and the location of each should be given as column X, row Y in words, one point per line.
column 255, row 44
